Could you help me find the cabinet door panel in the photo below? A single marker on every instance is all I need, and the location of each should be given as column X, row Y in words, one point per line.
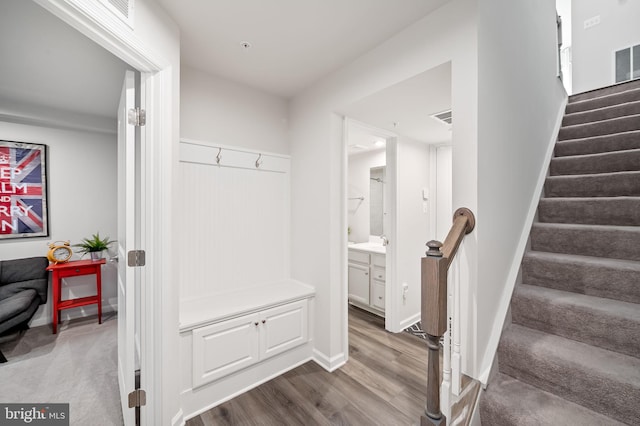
column 378, row 273
column 379, row 260
column 359, row 283
column 283, row 328
column 377, row 294
column 223, row 348
column 358, row 256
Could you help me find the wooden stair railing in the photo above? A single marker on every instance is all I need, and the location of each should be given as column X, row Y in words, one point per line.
column 435, row 267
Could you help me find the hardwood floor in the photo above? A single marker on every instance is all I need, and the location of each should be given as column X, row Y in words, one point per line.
column 383, row 383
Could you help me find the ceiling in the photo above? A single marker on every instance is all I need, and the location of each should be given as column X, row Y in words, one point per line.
column 405, row 108
column 49, row 64
column 293, row 43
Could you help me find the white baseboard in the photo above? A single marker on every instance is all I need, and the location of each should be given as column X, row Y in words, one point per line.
column 329, row 364
column 410, row 321
column 178, row 419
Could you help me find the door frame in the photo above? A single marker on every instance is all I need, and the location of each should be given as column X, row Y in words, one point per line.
column 390, row 223
column 158, row 307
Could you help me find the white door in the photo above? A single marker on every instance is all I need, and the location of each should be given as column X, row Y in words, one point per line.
column 126, row 240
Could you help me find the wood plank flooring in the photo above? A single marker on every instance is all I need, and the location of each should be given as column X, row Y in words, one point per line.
column 383, row 383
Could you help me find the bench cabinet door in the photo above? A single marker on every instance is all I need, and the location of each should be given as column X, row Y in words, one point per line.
column 225, row 347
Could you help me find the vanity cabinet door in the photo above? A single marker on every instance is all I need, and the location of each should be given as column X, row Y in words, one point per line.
column 377, row 294
column 378, row 273
column 359, row 283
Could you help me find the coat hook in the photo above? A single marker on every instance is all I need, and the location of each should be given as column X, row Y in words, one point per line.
column 218, row 157
column 259, row 161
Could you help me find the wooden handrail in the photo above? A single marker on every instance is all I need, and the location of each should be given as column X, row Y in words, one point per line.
column 434, row 305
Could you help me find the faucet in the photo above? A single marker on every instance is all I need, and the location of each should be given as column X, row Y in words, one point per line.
column 385, row 240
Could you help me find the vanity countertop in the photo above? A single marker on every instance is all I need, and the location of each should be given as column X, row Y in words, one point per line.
column 368, row 247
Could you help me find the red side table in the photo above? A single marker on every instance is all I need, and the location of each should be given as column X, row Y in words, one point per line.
column 75, row 269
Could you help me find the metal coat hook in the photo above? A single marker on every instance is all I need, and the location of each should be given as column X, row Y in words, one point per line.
column 219, row 157
column 259, row 161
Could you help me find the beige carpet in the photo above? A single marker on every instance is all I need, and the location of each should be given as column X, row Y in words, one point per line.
column 77, row 366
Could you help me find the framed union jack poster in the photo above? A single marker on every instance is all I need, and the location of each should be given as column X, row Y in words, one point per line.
column 23, row 190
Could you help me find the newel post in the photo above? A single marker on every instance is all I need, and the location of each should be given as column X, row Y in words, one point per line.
column 434, row 322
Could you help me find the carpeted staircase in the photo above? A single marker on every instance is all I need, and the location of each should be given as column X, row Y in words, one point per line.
column 571, row 354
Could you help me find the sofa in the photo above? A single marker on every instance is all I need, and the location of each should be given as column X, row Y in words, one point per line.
column 23, row 287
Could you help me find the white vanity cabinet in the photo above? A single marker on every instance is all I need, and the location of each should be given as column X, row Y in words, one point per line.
column 367, row 280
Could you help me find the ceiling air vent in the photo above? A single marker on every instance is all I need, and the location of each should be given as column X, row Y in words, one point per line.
column 443, row 117
column 121, row 8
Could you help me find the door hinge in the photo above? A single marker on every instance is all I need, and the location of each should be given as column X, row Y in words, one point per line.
column 136, row 258
column 137, row 398
column 137, row 117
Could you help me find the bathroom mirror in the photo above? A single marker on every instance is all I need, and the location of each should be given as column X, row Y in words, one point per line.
column 376, row 204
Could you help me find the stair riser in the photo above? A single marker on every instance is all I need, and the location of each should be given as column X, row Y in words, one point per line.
column 590, row 211
column 609, row 143
column 611, row 244
column 582, row 323
column 603, row 102
column 605, row 91
column 608, row 127
column 590, row 389
column 611, row 282
column 613, row 185
column 607, row 113
column 624, row 161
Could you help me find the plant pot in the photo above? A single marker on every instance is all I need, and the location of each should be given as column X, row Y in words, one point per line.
column 95, row 255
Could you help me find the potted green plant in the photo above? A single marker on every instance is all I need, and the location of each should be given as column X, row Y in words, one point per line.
column 94, row 246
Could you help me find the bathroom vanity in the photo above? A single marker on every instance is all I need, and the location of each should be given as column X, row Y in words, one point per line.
column 367, row 272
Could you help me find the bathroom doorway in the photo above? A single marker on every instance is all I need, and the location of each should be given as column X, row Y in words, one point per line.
column 414, row 120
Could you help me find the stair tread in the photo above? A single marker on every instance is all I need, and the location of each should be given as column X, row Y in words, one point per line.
column 598, row 155
column 602, row 162
column 589, row 319
column 587, row 227
column 618, row 210
column 605, row 91
column 594, row 123
column 600, row 185
column 580, row 259
column 565, row 298
column 633, row 198
column 595, row 176
column 622, row 141
column 518, row 403
column 606, row 112
column 610, row 241
column 607, row 100
column 624, row 369
column 610, row 126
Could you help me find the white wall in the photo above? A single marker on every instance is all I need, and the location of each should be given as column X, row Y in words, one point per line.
column 594, row 47
column 318, row 195
column 82, row 200
column 412, row 232
column 359, row 186
column 442, row 192
column 220, row 111
column 520, row 102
